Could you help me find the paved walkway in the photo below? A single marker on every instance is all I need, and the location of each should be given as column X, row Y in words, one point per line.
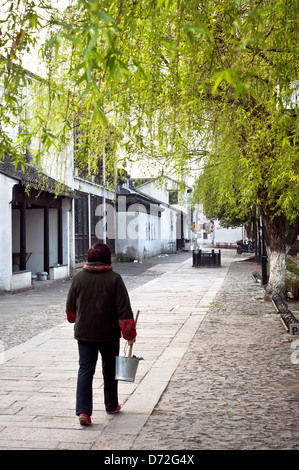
column 216, row 373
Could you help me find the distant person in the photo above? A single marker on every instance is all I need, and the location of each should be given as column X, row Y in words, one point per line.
column 99, row 305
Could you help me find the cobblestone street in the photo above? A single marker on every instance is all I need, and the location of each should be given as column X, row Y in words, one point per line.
column 236, row 387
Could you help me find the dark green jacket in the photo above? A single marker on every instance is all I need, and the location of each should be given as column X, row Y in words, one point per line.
column 99, row 305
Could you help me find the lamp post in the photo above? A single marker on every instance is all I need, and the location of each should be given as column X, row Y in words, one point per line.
column 104, row 197
column 264, row 259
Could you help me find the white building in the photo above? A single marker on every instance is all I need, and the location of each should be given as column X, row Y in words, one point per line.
column 210, row 233
column 35, row 233
column 52, row 214
column 203, row 228
column 173, row 209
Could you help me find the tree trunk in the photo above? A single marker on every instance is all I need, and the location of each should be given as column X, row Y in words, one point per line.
column 276, row 231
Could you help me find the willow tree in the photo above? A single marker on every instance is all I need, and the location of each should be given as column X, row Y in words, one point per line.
column 226, row 73
column 185, row 84
column 253, row 131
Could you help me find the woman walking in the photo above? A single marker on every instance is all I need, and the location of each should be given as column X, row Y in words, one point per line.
column 99, row 305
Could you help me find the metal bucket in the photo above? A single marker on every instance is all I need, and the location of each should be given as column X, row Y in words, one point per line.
column 126, row 368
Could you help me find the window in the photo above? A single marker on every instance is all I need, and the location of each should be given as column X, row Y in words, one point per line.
column 173, row 197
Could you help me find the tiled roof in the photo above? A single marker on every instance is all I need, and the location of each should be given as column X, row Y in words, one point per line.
column 36, row 179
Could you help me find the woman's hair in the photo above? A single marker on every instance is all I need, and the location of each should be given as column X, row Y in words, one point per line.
column 99, row 252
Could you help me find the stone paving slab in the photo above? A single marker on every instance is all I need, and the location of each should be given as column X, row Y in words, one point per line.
column 38, row 377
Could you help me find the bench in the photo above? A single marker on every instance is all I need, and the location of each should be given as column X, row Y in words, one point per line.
column 290, row 322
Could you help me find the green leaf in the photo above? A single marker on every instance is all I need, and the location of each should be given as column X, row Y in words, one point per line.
column 103, row 15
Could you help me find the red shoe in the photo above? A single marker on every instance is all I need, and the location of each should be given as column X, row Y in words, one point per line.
column 84, row 420
column 115, row 411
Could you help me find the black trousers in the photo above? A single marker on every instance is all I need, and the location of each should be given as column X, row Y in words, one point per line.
column 88, row 357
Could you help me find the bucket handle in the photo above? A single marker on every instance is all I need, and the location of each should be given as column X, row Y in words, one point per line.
column 131, row 346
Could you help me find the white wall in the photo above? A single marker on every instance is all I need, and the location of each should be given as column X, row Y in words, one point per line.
column 35, row 237
column 168, row 230
column 227, row 235
column 220, row 235
column 161, row 193
column 6, row 185
column 138, row 235
column 170, row 213
column 68, row 235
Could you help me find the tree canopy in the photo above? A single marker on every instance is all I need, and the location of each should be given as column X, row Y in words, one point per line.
column 189, row 85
